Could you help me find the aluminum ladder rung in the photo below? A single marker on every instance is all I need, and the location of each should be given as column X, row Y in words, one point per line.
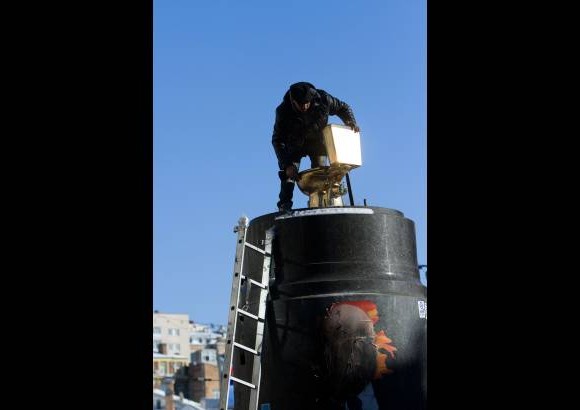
column 255, row 282
column 249, row 245
column 253, row 386
column 241, row 346
column 246, row 313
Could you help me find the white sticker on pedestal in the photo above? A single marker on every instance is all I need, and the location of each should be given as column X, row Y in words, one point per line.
column 422, row 309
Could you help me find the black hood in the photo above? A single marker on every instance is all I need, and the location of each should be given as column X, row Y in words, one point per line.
column 302, row 92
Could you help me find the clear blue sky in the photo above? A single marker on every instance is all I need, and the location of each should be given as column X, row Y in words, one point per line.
column 220, row 70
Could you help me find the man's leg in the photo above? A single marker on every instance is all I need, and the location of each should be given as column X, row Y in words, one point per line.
column 317, row 151
column 286, row 189
column 317, row 161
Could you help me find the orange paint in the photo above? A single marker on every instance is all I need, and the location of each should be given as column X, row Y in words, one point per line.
column 383, row 344
column 384, row 349
column 369, row 307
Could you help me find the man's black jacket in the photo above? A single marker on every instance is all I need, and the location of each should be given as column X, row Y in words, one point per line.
column 292, row 128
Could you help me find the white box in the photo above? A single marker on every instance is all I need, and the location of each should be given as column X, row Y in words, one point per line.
column 342, row 145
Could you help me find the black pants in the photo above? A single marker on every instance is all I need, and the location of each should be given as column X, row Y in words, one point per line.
column 313, row 148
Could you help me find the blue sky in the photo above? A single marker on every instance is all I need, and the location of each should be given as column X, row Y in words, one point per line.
column 220, row 68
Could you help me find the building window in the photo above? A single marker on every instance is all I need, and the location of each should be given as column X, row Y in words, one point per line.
column 156, row 330
column 175, row 347
column 173, row 332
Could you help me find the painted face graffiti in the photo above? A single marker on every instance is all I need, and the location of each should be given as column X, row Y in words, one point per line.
column 354, row 353
column 382, row 342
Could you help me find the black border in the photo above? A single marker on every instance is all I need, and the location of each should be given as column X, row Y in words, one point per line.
column 486, row 240
column 84, row 217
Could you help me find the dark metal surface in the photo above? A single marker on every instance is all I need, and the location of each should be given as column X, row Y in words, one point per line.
column 348, row 186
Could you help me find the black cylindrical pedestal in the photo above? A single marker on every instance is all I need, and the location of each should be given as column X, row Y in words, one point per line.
column 346, row 321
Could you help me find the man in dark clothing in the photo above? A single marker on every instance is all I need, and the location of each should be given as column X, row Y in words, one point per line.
column 300, row 119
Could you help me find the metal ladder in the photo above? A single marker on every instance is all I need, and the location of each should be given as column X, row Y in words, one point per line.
column 236, row 312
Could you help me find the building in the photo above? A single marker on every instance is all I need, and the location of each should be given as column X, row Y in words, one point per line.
column 202, row 336
column 188, row 353
column 172, row 330
column 205, row 374
column 178, row 403
column 166, row 366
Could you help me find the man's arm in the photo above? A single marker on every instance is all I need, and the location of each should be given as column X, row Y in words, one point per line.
column 279, row 142
column 341, row 109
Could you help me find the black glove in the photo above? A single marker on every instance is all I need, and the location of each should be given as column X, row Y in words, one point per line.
column 353, row 126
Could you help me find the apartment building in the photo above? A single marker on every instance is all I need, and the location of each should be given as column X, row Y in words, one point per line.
column 165, row 366
column 173, row 331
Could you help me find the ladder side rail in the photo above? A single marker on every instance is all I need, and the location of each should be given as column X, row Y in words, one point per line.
column 241, row 230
